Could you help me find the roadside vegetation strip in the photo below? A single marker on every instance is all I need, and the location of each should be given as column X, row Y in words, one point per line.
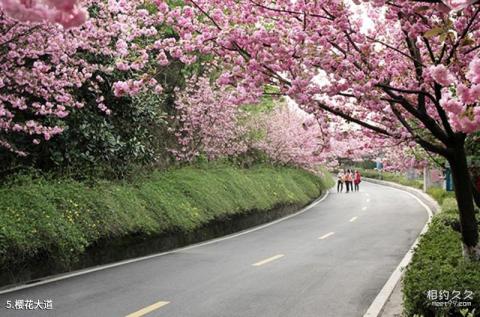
column 439, row 267
column 392, row 177
column 439, row 194
column 60, row 219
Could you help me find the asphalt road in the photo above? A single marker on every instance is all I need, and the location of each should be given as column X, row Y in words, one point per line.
column 331, row 260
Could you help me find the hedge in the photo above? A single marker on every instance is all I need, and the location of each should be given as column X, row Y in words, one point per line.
column 439, row 194
column 438, row 264
column 393, row 177
column 61, row 218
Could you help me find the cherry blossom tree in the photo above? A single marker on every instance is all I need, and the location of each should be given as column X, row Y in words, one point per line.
column 288, row 136
column 210, row 121
column 207, row 122
column 50, row 68
column 37, row 76
column 406, row 71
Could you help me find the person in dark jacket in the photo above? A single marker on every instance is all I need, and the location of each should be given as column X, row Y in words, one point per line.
column 357, row 178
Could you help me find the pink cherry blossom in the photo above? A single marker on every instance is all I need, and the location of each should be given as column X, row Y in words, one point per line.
column 441, row 75
column 65, row 12
column 473, row 73
column 458, row 4
column 207, row 122
column 44, row 65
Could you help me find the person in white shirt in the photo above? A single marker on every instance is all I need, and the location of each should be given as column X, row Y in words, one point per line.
column 340, row 180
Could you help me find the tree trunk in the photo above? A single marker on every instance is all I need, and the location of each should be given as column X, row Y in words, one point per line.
column 464, row 195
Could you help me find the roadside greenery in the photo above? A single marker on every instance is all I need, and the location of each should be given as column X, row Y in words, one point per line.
column 59, row 219
column 438, row 265
column 393, row 177
column 440, row 195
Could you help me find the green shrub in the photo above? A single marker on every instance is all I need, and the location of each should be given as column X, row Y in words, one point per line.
column 60, row 218
column 371, row 174
column 449, row 205
column 438, row 264
column 439, row 194
column 393, row 177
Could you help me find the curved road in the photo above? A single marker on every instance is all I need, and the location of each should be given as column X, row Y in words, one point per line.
column 331, row 260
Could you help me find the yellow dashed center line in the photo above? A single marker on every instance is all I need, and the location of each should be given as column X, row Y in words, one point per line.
column 273, row 258
column 148, row 309
column 326, row 235
column 353, row 219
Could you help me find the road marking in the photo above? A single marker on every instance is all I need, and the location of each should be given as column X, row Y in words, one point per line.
column 148, row 309
column 326, row 235
column 368, row 200
column 364, row 208
column 353, row 219
column 273, row 258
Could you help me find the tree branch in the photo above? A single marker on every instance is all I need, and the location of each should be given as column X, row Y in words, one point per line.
column 464, row 33
column 423, row 143
column 352, row 119
column 429, row 122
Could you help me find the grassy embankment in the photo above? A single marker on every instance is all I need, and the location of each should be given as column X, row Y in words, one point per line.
column 60, row 219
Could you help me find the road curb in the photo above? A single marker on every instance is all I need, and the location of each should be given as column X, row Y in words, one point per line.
column 432, row 207
column 424, row 197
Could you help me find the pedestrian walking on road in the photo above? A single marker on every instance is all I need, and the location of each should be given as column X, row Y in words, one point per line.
column 349, row 180
column 356, row 180
column 340, row 180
